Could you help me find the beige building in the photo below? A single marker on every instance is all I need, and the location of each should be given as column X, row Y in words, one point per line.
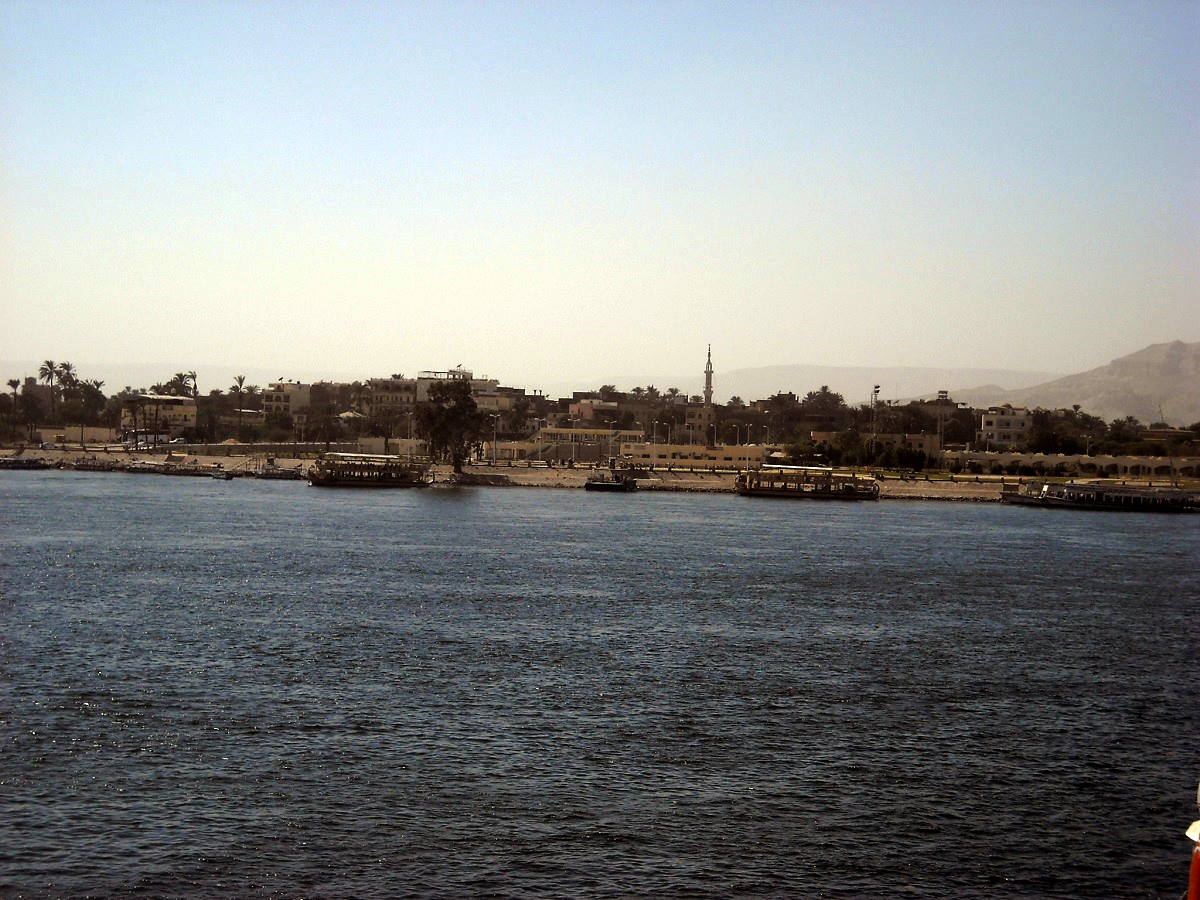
column 1003, row 427
column 698, row 422
column 245, row 418
column 722, row 456
column 287, row 398
column 384, row 396
column 399, row 396
column 929, row 444
column 590, row 410
column 160, row 413
column 561, row 444
column 482, row 389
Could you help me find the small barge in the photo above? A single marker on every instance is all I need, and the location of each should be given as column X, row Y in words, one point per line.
column 369, row 470
column 806, row 483
column 1110, row 497
column 611, row 483
column 24, row 463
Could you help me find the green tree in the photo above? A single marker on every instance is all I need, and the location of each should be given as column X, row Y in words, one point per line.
column 239, row 384
column 93, row 400
column 66, row 373
column 518, row 416
column 30, row 410
column 450, row 421
column 14, row 409
column 179, row 385
column 48, row 372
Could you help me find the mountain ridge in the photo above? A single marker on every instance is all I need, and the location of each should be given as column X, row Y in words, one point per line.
column 1160, row 382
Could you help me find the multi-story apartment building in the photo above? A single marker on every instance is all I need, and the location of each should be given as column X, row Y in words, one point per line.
column 698, row 423
column 1002, row 427
column 287, row 398
column 395, row 396
column 482, row 389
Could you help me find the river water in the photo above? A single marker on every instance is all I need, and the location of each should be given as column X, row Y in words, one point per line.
column 264, row 689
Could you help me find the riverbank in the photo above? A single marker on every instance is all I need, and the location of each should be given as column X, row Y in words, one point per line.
column 936, row 487
column 532, row 476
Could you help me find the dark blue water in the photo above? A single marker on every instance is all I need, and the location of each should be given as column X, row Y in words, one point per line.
column 259, row 688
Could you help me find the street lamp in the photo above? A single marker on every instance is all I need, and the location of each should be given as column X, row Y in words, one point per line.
column 495, row 422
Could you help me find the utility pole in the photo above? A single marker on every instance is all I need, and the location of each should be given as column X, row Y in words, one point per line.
column 874, row 418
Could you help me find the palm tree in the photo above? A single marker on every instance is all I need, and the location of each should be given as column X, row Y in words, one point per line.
column 178, row 386
column 48, row 372
column 69, row 385
column 66, row 373
column 239, row 382
column 14, row 383
column 93, row 399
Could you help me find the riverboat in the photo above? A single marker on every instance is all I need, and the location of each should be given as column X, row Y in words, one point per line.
column 611, row 483
column 806, row 483
column 92, row 464
column 369, row 470
column 195, row 469
column 1109, row 497
column 274, row 472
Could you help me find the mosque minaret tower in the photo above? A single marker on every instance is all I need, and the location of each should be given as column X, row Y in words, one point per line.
column 708, row 379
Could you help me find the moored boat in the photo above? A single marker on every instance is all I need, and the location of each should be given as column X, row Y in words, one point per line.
column 806, row 483
column 24, row 463
column 611, row 482
column 1109, row 497
column 369, row 470
column 92, row 464
column 273, row 472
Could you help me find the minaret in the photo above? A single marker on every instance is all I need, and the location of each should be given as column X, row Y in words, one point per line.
column 708, row 379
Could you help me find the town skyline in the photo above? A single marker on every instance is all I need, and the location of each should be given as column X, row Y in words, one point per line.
column 591, row 189
column 1156, row 383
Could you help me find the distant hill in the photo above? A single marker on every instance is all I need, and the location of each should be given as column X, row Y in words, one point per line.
column 853, row 383
column 1160, row 382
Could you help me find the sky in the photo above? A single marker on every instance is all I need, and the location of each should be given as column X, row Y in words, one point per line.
column 557, row 190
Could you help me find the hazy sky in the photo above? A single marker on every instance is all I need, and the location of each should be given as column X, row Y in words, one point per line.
column 549, row 190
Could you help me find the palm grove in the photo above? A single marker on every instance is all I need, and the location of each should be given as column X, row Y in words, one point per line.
column 59, row 399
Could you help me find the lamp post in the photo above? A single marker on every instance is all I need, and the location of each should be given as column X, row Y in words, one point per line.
column 495, row 422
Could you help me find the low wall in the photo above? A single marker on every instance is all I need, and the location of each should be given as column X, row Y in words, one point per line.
column 286, row 450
